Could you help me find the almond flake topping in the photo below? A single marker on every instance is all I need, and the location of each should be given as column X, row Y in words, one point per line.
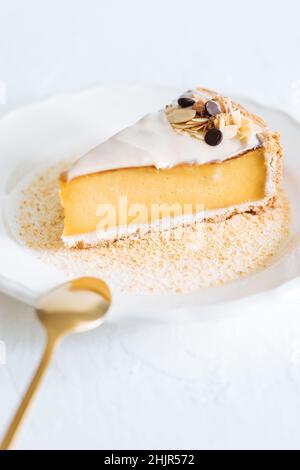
column 180, row 115
column 195, row 121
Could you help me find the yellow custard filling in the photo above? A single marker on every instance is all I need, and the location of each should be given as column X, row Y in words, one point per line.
column 144, row 194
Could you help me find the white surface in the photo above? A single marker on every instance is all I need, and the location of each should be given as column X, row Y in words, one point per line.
column 232, row 383
column 227, row 384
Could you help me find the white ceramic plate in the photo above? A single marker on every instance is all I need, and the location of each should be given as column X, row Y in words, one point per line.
column 70, row 125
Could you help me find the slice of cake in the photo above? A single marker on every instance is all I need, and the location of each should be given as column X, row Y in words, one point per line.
column 202, row 158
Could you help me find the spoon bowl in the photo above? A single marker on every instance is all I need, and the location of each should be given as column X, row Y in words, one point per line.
column 78, row 305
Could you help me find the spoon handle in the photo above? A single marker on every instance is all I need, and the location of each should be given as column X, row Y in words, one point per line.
column 15, row 424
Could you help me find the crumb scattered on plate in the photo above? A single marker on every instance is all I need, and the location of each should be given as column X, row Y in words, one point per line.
column 201, row 255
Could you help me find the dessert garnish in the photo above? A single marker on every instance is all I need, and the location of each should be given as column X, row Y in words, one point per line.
column 211, row 119
column 213, row 137
column 186, row 101
column 212, row 108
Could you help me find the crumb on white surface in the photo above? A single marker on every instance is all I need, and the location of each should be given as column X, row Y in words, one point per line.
column 207, row 254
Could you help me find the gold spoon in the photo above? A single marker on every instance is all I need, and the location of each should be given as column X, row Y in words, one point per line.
column 76, row 306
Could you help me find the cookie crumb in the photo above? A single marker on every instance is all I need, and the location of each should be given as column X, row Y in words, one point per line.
column 204, row 255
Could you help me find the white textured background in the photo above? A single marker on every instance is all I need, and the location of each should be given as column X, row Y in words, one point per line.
column 232, row 383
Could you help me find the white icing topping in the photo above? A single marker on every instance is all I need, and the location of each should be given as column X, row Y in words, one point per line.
column 153, row 142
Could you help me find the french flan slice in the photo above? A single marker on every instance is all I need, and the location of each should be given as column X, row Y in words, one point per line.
column 203, row 157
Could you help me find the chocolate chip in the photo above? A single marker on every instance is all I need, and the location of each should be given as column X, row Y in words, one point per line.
column 213, row 137
column 186, row 101
column 212, row 108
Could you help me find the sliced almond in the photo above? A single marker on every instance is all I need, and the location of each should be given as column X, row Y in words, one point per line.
column 245, row 132
column 170, row 108
column 222, row 120
column 199, row 105
column 186, row 125
column 225, row 104
column 236, row 117
column 200, row 119
column 229, row 132
column 219, row 122
column 201, row 129
column 179, row 115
